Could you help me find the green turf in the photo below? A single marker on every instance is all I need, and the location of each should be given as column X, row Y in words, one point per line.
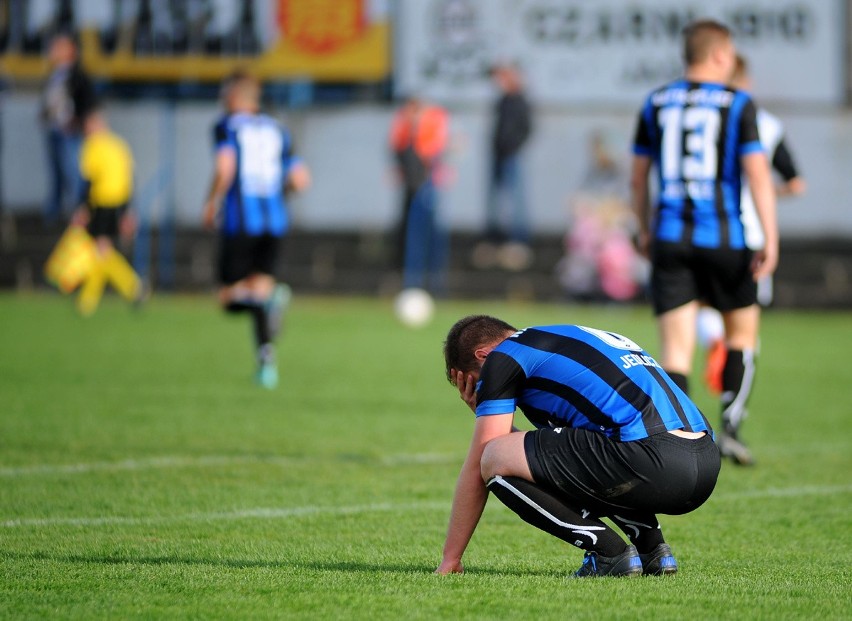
column 143, row 475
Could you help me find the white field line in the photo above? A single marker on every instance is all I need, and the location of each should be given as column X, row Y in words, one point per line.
column 257, row 513
column 314, row 510
column 177, row 461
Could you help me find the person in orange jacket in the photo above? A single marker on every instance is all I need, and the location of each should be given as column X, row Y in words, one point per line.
column 418, row 139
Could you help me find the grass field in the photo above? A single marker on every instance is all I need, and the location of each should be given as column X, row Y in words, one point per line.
column 143, row 475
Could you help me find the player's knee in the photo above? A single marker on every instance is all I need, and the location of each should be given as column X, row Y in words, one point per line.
column 489, row 464
column 497, row 459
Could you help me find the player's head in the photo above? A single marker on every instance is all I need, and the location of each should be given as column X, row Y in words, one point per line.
column 467, row 336
column 709, row 43
column 412, row 104
column 95, row 121
column 740, row 78
column 241, row 92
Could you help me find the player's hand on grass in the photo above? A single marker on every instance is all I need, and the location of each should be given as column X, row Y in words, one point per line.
column 467, row 388
column 450, row 567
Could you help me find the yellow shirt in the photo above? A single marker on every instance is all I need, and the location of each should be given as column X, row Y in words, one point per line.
column 107, row 164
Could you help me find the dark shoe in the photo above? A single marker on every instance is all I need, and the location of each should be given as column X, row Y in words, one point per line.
column 731, row 447
column 627, row 564
column 659, row 561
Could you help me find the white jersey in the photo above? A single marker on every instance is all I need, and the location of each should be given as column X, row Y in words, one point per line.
column 771, row 133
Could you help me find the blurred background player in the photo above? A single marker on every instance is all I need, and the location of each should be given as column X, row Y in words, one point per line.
column 67, row 99
column 507, row 230
column 418, row 140
column 106, row 169
column 711, row 328
column 254, row 163
column 703, row 136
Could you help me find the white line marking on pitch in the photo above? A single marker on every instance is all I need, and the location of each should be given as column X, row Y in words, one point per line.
column 217, row 460
column 295, row 512
column 261, row 513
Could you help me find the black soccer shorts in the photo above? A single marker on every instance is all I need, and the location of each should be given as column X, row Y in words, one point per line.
column 660, row 474
column 720, row 277
column 103, row 221
column 243, row 255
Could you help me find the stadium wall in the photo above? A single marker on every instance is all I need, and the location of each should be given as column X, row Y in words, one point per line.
column 354, row 188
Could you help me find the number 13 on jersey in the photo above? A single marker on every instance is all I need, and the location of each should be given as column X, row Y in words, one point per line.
column 689, row 146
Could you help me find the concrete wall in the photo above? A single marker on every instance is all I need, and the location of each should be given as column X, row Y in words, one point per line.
column 354, row 188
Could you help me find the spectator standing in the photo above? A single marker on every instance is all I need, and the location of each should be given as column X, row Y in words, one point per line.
column 67, row 99
column 507, row 227
column 418, row 140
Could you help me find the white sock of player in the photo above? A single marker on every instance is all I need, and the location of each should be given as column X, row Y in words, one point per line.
column 709, row 327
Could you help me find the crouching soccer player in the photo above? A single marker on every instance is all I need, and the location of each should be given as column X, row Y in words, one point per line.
column 615, row 438
column 106, row 167
column 254, row 162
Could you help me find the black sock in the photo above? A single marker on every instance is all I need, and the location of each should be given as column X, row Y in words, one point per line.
column 546, row 511
column 643, row 530
column 737, row 380
column 262, row 335
column 240, row 306
column 680, row 380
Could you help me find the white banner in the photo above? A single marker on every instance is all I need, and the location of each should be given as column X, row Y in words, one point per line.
column 611, row 51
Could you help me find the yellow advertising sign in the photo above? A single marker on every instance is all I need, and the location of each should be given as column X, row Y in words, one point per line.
column 321, row 40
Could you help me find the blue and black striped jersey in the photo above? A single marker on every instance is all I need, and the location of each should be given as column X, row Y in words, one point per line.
column 254, row 204
column 573, row 376
column 696, row 133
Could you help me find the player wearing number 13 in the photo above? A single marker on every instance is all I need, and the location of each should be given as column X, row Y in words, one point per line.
column 253, row 166
column 702, row 136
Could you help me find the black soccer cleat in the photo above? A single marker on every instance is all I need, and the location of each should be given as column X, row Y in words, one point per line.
column 627, row 565
column 659, row 561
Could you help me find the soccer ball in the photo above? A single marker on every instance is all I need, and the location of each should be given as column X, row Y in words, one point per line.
column 414, row 307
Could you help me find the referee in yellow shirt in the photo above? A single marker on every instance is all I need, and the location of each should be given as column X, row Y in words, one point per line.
column 106, row 166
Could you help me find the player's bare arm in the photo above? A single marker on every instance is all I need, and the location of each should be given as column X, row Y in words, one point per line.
column 223, row 176
column 471, row 494
column 756, row 168
column 641, row 204
column 127, row 225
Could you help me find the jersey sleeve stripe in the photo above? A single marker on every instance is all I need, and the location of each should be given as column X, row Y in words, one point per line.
column 495, row 406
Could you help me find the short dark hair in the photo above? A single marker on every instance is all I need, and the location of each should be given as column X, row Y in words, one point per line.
column 466, row 335
column 700, row 37
column 240, row 78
